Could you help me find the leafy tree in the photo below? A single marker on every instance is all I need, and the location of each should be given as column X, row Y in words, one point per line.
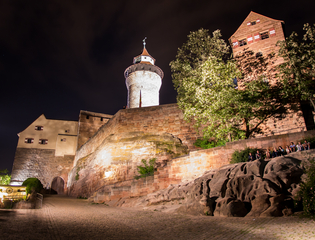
column 297, row 72
column 5, row 178
column 203, row 74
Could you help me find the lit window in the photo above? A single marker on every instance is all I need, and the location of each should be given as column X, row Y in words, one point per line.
column 264, row 35
column 29, row 140
column 43, row 141
column 243, row 42
column 39, row 128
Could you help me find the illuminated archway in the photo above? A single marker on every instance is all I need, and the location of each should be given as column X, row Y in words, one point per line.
column 58, row 185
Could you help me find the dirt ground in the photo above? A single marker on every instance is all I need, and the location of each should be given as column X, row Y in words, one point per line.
column 68, row 218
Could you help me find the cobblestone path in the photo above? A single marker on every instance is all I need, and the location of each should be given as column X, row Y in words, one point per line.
column 68, row 218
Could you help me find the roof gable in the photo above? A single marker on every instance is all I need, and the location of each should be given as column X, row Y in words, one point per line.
column 253, row 16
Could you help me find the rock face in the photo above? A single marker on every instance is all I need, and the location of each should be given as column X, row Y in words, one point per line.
column 252, row 189
column 117, row 158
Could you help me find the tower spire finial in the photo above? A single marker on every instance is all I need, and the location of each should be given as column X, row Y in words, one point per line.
column 144, row 43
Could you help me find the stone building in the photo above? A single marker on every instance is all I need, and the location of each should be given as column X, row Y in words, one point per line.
column 260, row 34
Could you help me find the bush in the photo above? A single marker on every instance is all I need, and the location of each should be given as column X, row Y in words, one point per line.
column 31, row 183
column 311, row 140
column 307, row 190
column 5, row 178
column 206, row 144
column 147, row 170
column 242, row 156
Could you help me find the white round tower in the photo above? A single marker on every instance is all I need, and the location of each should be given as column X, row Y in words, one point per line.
column 143, row 81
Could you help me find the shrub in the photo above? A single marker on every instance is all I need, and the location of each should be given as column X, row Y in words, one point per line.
column 147, row 170
column 242, row 156
column 5, row 178
column 311, row 140
column 206, row 144
column 307, row 190
column 31, row 183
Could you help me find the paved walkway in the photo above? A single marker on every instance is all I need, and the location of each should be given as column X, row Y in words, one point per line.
column 69, row 218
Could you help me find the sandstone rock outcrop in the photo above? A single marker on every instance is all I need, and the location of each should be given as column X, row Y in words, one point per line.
column 117, row 158
column 252, row 189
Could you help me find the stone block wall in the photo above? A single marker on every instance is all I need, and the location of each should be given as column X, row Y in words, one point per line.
column 41, row 164
column 158, row 119
column 192, row 166
column 89, row 124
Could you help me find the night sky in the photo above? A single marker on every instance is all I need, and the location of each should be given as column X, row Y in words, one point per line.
column 60, row 57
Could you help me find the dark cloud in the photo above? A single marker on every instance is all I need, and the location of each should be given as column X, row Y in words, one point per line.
column 58, row 57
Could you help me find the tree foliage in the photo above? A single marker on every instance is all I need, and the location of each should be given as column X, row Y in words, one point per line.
column 203, row 74
column 32, row 184
column 307, row 191
column 298, row 70
column 5, row 178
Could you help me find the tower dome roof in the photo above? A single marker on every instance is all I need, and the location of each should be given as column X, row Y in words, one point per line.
column 144, row 57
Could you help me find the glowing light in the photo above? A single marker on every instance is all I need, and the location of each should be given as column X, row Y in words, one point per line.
column 108, row 174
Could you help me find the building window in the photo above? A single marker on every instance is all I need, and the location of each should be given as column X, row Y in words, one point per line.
column 43, row 141
column 253, row 23
column 39, row 128
column 243, row 42
column 87, row 116
column 259, row 54
column 264, row 35
column 67, row 130
column 101, row 119
column 63, row 139
column 29, row 140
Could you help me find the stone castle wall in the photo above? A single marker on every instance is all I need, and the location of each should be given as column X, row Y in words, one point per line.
column 191, row 166
column 41, row 164
column 89, row 123
column 158, row 119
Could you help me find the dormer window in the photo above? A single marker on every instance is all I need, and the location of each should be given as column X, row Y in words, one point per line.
column 39, row 128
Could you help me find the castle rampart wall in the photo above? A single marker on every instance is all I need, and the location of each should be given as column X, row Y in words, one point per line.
column 158, row 119
column 191, row 166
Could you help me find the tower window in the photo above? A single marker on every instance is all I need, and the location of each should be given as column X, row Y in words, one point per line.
column 39, row 128
column 243, row 42
column 43, row 141
column 29, row 140
column 264, row 35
